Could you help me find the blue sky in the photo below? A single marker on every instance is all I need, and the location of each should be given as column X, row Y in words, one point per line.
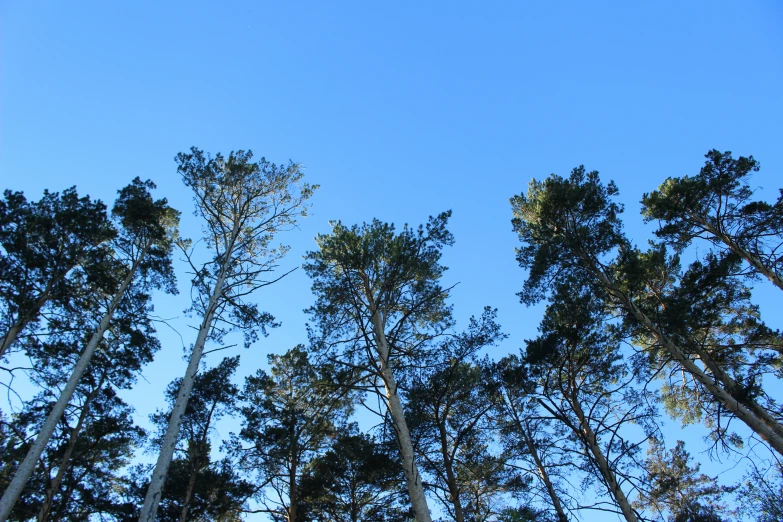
column 398, row 111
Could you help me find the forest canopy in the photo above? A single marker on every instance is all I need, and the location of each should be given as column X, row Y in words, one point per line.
column 389, row 409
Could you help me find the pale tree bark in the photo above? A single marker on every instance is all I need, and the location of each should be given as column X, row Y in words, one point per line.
column 27, row 467
column 543, row 474
column 21, row 322
column 600, row 459
column 412, row 476
column 65, row 461
column 731, row 385
column 155, row 489
column 754, row 261
column 760, row 422
column 44, row 297
column 244, row 205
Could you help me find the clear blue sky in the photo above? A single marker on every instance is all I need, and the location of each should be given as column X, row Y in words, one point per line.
column 398, row 111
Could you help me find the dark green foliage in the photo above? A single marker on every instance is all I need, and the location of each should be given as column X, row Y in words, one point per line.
column 357, row 479
column 708, row 313
column 449, row 419
column 379, row 307
column 46, row 245
column 288, row 416
column 563, row 225
column 373, row 267
column 680, row 320
column 676, row 487
column 717, row 205
column 525, row 514
column 197, row 486
column 218, row 494
column 585, row 384
column 213, row 397
column 144, row 235
column 150, row 226
column 97, row 439
column 114, row 297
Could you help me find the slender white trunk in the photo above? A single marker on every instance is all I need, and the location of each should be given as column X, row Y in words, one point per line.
column 769, row 430
column 524, row 429
column 44, row 297
column 65, row 462
column 27, row 467
column 754, row 261
column 19, row 325
column 155, row 489
column 412, row 476
column 542, row 472
column 603, row 466
column 11, row 336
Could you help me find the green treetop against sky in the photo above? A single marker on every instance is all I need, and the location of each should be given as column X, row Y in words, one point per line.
column 398, row 112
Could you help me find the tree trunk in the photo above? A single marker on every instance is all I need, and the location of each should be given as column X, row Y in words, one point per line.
column 732, row 386
column 524, row 429
column 43, row 513
column 11, row 336
column 155, row 489
column 150, row 508
column 292, row 493
column 412, row 476
column 542, row 472
column 742, row 412
column 606, row 472
column 355, row 507
column 754, row 261
column 183, row 515
column 19, row 325
column 27, row 467
column 450, row 478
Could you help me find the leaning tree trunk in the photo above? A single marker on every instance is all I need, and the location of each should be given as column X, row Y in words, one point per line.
column 754, row 261
column 65, row 461
column 412, row 476
column 25, row 470
column 588, row 436
column 183, row 516
column 543, row 473
column 524, row 429
column 155, row 489
column 20, row 323
column 763, row 424
column 451, row 479
column 731, row 386
column 31, row 314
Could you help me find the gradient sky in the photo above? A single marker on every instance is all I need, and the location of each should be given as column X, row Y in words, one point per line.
column 398, row 111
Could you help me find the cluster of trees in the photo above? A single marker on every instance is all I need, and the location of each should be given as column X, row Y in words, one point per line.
column 571, row 423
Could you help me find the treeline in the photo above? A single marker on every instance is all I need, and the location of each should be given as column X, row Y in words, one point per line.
column 572, row 423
